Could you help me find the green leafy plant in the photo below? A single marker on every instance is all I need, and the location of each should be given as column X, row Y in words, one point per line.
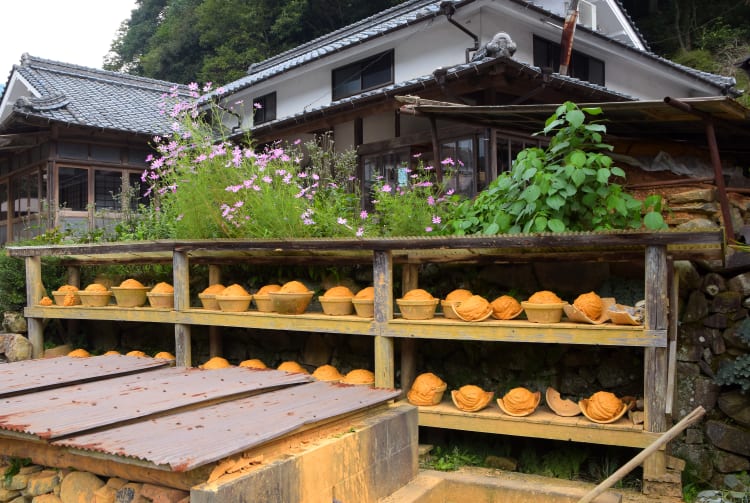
column 418, row 207
column 451, row 459
column 737, row 372
column 205, row 186
column 568, row 186
column 14, row 468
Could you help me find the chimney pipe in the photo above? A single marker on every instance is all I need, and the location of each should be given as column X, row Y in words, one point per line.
column 566, row 42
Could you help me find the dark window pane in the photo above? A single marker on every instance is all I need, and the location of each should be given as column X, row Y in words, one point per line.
column 73, row 150
column 138, row 188
column 362, row 75
column 74, row 188
column 106, row 154
column 264, row 108
column 107, row 188
column 3, row 202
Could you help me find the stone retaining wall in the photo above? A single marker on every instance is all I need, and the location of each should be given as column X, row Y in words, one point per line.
column 38, row 484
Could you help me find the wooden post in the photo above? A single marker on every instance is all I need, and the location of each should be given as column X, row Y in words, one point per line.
column 34, row 293
column 74, row 278
column 674, row 308
column 409, row 281
column 655, row 366
column 214, row 332
column 181, row 273
column 383, row 285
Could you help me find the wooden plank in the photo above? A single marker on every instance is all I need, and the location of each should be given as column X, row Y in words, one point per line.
column 655, row 366
column 34, row 293
column 409, row 280
column 125, row 468
column 543, row 423
column 152, row 250
column 181, row 274
column 385, row 372
column 112, row 312
column 524, row 331
column 214, row 331
column 309, row 322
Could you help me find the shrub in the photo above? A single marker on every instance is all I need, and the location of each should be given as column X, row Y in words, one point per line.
column 568, row 186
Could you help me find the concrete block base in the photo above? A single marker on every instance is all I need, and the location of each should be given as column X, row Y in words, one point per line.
column 372, row 457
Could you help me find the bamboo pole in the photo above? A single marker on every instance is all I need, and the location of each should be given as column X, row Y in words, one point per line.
column 645, row 453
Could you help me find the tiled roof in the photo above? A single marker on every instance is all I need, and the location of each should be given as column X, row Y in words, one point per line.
column 400, row 17
column 90, row 97
column 593, row 91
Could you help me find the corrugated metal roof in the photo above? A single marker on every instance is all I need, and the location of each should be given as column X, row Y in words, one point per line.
column 37, row 375
column 175, row 418
column 190, row 439
column 73, row 409
column 637, row 119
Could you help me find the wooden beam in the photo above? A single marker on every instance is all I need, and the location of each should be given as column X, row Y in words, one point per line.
column 383, row 286
column 655, row 366
column 106, row 466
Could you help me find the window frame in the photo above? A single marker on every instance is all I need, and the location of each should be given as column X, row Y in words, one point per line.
column 578, row 61
column 357, row 69
column 267, row 110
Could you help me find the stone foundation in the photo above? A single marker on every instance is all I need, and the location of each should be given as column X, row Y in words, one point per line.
column 39, row 484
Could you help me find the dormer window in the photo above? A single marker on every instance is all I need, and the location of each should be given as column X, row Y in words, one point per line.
column 363, row 75
column 583, row 67
column 264, row 108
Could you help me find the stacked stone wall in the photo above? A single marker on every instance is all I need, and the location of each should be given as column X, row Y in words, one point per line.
column 39, row 484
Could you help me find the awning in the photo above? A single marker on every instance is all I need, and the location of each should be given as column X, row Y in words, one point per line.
column 655, row 120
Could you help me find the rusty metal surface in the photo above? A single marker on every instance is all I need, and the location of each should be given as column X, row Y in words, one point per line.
column 37, row 375
column 191, row 439
column 82, row 407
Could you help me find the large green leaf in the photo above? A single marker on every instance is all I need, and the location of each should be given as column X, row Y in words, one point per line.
column 575, row 118
column 555, row 202
column 531, row 193
column 556, row 225
column 578, row 177
column 653, row 220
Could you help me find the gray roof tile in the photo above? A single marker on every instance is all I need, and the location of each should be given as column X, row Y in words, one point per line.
column 400, row 17
column 93, row 98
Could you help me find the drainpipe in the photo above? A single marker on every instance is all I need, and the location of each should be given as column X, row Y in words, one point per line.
column 566, row 42
column 449, row 9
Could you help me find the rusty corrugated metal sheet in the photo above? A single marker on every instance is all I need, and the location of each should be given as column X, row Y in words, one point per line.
column 191, row 439
column 74, row 409
column 36, row 375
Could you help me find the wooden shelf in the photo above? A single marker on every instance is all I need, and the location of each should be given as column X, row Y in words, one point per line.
column 605, row 334
column 543, row 423
column 308, row 322
column 114, row 313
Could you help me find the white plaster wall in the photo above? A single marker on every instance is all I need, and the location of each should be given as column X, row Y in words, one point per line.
column 343, row 136
column 378, row 127
column 425, row 46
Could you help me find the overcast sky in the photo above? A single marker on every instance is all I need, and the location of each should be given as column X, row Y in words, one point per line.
column 71, row 31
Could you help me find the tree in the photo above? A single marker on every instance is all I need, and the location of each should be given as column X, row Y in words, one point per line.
column 133, row 37
column 216, row 40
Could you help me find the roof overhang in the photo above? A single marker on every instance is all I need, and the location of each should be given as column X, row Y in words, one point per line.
column 655, row 120
column 516, row 81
